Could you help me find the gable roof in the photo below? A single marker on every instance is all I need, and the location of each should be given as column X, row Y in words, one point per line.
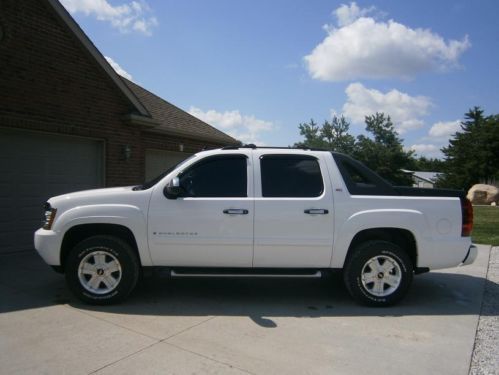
column 151, row 111
column 427, row 176
column 97, row 55
column 431, row 177
column 175, row 121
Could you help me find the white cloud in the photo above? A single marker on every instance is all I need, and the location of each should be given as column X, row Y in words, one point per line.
column 438, row 137
column 245, row 128
column 347, row 14
column 405, row 110
column 133, row 16
column 428, row 150
column 363, row 47
column 445, row 129
column 118, row 68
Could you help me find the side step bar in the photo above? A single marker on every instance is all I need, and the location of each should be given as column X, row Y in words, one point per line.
column 232, row 273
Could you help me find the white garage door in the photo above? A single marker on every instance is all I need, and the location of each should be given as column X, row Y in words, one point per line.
column 157, row 161
column 35, row 167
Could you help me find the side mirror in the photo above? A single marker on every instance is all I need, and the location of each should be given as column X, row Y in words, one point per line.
column 173, row 189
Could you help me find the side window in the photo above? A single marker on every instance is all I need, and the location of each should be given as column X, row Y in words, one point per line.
column 291, row 176
column 360, row 180
column 217, row 176
column 356, row 176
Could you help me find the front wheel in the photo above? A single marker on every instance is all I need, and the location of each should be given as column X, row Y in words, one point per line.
column 102, row 270
column 378, row 273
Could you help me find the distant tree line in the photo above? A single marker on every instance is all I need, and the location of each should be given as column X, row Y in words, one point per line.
column 472, row 155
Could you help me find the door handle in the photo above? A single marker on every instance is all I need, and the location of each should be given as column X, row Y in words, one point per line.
column 235, row 211
column 316, row 211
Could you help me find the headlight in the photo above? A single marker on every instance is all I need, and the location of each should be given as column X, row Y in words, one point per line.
column 49, row 216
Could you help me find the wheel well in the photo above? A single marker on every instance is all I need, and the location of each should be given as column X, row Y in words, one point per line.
column 78, row 233
column 402, row 237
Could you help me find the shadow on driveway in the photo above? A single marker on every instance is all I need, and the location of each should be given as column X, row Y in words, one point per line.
column 27, row 283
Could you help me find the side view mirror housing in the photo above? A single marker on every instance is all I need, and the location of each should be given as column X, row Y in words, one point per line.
column 173, row 189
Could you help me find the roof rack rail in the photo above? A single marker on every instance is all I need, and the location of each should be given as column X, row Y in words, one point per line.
column 253, row 146
column 236, row 147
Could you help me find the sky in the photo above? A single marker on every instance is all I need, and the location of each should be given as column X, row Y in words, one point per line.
column 256, row 69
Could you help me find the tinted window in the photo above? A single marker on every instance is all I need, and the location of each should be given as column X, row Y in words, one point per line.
column 357, row 176
column 155, row 180
column 216, row 177
column 359, row 179
column 290, row 176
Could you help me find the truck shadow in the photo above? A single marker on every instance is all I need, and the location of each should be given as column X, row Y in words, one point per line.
column 34, row 285
column 261, row 299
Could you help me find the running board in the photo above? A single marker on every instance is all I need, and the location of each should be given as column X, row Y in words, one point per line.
column 232, row 273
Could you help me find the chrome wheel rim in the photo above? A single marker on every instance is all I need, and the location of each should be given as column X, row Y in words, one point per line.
column 381, row 276
column 99, row 272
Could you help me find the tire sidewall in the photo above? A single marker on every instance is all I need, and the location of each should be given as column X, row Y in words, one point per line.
column 365, row 252
column 123, row 254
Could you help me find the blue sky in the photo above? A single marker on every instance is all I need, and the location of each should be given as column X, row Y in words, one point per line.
column 256, row 69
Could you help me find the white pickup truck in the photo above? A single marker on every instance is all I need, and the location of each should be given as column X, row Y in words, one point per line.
column 251, row 211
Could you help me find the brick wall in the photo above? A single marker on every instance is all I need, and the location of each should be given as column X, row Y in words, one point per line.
column 50, row 83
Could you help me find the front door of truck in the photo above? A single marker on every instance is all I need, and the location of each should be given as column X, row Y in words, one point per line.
column 211, row 223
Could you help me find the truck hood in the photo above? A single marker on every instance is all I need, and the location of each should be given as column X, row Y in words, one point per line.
column 94, row 195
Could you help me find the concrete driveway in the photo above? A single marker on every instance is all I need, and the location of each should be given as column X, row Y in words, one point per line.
column 269, row 326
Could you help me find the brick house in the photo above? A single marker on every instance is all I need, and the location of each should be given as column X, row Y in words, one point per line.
column 69, row 122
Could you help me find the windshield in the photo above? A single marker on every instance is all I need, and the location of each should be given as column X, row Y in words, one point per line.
column 155, row 180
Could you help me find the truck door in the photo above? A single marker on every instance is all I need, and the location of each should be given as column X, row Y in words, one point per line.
column 293, row 211
column 211, row 223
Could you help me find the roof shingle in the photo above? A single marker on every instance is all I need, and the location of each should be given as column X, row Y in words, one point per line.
column 175, row 120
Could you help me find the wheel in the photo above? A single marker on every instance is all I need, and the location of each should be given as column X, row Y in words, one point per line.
column 378, row 273
column 102, row 270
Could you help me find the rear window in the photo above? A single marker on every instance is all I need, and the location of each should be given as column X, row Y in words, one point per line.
column 359, row 179
column 293, row 176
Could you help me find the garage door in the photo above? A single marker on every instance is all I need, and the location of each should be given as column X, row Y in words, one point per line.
column 157, row 161
column 35, row 167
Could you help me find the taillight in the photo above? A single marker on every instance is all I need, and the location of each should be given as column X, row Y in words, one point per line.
column 467, row 210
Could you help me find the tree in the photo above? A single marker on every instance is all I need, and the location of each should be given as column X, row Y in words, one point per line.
column 311, row 132
column 384, row 152
column 425, row 164
column 335, row 134
column 332, row 135
column 473, row 153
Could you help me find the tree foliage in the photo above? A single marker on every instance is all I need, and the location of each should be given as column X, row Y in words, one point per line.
column 471, row 157
column 382, row 151
column 425, row 164
column 473, row 154
column 332, row 135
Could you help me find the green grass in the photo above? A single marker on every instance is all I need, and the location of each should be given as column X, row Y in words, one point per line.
column 486, row 225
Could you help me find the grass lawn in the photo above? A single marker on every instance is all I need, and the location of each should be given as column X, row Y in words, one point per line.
column 486, row 225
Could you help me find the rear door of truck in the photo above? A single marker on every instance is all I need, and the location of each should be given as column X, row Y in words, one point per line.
column 293, row 210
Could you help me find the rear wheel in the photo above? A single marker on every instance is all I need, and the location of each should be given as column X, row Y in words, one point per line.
column 102, row 270
column 378, row 273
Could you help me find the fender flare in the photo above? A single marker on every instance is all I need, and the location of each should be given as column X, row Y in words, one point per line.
column 410, row 220
column 128, row 216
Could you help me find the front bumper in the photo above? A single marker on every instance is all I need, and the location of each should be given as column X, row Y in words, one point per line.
column 48, row 245
column 470, row 256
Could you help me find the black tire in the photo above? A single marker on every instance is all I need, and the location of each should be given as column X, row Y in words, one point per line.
column 384, row 289
column 117, row 254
